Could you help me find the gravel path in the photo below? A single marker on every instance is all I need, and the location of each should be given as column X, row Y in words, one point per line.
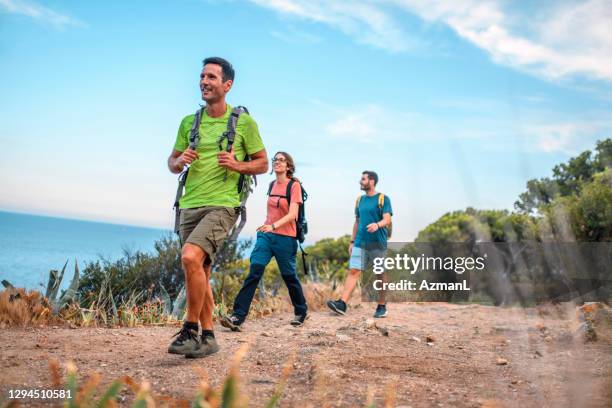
column 430, row 354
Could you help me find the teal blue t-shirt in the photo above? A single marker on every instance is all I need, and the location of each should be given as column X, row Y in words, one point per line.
column 368, row 212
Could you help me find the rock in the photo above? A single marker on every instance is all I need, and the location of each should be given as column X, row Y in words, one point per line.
column 586, row 331
column 430, row 339
column 541, row 327
column 384, row 331
column 342, row 337
column 414, row 338
column 501, row 361
column 316, row 333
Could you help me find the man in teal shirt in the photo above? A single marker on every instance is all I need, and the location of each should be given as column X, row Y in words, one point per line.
column 369, row 240
column 208, row 209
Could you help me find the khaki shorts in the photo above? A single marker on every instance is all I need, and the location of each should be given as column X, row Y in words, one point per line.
column 207, row 227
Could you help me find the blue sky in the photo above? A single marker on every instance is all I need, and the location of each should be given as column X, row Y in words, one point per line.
column 454, row 104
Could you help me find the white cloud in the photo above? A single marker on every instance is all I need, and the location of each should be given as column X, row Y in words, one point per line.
column 567, row 137
column 294, row 36
column 571, row 38
column 372, row 124
column 364, row 21
column 539, row 131
column 550, row 39
column 40, row 13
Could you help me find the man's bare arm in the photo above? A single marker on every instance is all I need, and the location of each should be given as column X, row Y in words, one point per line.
column 178, row 160
column 257, row 165
column 385, row 221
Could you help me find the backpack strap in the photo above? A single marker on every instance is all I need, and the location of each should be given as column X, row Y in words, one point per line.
column 230, row 135
column 232, row 122
column 270, row 187
column 194, row 140
column 381, row 204
column 288, row 193
column 194, row 132
column 357, row 206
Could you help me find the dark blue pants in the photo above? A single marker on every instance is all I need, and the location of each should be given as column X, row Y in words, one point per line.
column 284, row 249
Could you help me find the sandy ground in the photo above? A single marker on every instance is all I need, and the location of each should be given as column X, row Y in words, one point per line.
column 339, row 359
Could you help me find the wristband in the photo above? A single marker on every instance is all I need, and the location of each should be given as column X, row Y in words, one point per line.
column 273, row 227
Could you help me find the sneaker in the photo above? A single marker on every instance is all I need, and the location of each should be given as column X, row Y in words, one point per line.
column 232, row 322
column 186, row 341
column 337, row 306
column 208, row 346
column 299, row 320
column 381, row 311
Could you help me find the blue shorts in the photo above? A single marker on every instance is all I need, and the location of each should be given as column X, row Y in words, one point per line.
column 362, row 258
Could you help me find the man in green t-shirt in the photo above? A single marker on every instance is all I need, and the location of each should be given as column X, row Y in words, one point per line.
column 209, row 208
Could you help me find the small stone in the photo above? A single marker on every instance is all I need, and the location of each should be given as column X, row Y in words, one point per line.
column 548, row 339
column 501, row 361
column 370, row 324
column 342, row 337
column 414, row 338
column 383, row 331
column 430, row 339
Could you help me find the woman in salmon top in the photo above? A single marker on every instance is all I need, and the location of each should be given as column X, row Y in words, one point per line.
column 275, row 238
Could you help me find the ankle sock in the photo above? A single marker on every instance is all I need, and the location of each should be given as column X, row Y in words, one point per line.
column 208, row 333
column 190, row 325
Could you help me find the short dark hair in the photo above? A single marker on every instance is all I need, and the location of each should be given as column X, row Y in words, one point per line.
column 226, row 67
column 371, row 175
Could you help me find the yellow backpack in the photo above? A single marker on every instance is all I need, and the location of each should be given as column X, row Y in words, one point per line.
column 381, row 203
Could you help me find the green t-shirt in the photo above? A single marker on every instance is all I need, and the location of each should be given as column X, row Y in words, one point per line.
column 205, row 185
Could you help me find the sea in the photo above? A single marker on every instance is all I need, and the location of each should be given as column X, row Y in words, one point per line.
column 32, row 245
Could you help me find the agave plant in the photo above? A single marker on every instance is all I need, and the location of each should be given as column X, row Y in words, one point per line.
column 175, row 309
column 54, row 283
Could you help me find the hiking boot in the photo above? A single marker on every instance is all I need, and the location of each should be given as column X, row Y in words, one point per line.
column 299, row 320
column 207, row 346
column 232, row 322
column 381, row 311
column 187, row 341
column 337, row 306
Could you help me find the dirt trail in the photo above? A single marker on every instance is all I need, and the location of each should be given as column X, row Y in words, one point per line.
column 337, row 359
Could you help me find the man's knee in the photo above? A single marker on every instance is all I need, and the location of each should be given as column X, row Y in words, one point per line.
column 355, row 272
column 207, row 271
column 192, row 256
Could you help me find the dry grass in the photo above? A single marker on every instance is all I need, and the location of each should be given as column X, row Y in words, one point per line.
column 19, row 307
